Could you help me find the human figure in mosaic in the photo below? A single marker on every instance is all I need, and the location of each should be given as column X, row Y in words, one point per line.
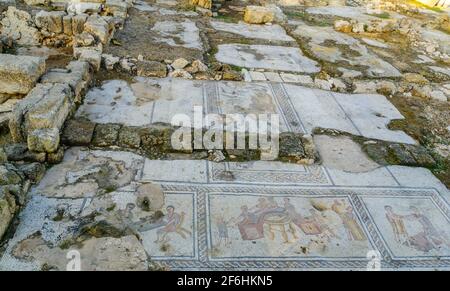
column 173, row 224
column 429, row 237
column 352, row 227
column 222, row 228
column 322, row 225
column 398, row 226
column 250, row 225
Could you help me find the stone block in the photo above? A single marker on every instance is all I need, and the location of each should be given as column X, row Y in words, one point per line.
column 258, row 15
column 18, row 74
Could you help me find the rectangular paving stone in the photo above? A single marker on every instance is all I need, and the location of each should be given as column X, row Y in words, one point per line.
column 266, row 57
column 269, row 32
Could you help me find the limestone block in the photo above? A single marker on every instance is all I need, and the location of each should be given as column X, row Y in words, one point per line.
column 78, row 22
column 74, row 80
column 258, row 15
column 202, row 3
column 51, row 21
column 91, row 55
column 99, row 28
column 18, row 25
column 118, row 8
column 52, row 110
column 18, row 74
column 67, row 25
column 43, row 140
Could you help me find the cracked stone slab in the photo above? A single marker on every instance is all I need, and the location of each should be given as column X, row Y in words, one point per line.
column 278, row 58
column 269, row 32
column 301, row 109
column 87, row 174
column 183, row 33
column 361, row 56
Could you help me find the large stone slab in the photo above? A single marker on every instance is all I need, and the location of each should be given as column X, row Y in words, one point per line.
column 346, row 49
column 268, row 32
column 18, row 74
column 183, row 33
column 266, row 57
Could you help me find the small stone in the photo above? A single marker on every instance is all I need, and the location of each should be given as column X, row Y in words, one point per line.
column 415, row 78
column 198, row 66
column 231, row 75
column 109, row 61
column 151, row 69
column 343, row 26
column 56, row 157
column 179, row 64
column 106, row 135
column 180, row 74
column 78, row 132
column 34, row 171
column 258, row 15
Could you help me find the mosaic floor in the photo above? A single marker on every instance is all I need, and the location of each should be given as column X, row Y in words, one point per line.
column 246, row 216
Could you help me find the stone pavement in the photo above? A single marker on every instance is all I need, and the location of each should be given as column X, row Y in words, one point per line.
column 86, row 163
column 148, row 101
column 243, row 216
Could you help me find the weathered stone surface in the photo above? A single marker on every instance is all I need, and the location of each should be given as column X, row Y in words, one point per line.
column 84, row 39
column 33, row 171
column 52, row 110
column 106, row 135
column 3, row 156
column 9, row 175
column 178, row 33
column 117, row 8
column 78, row 132
column 36, row 2
column 151, row 69
column 266, row 57
column 273, row 32
column 67, row 25
column 7, row 210
column 18, row 74
column 43, row 140
column 258, row 15
column 150, row 197
column 129, row 137
column 109, row 61
column 91, row 55
column 51, row 21
column 98, row 27
column 78, row 22
column 18, row 25
column 202, row 3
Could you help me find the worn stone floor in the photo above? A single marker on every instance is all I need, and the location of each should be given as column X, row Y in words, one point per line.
column 253, row 215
